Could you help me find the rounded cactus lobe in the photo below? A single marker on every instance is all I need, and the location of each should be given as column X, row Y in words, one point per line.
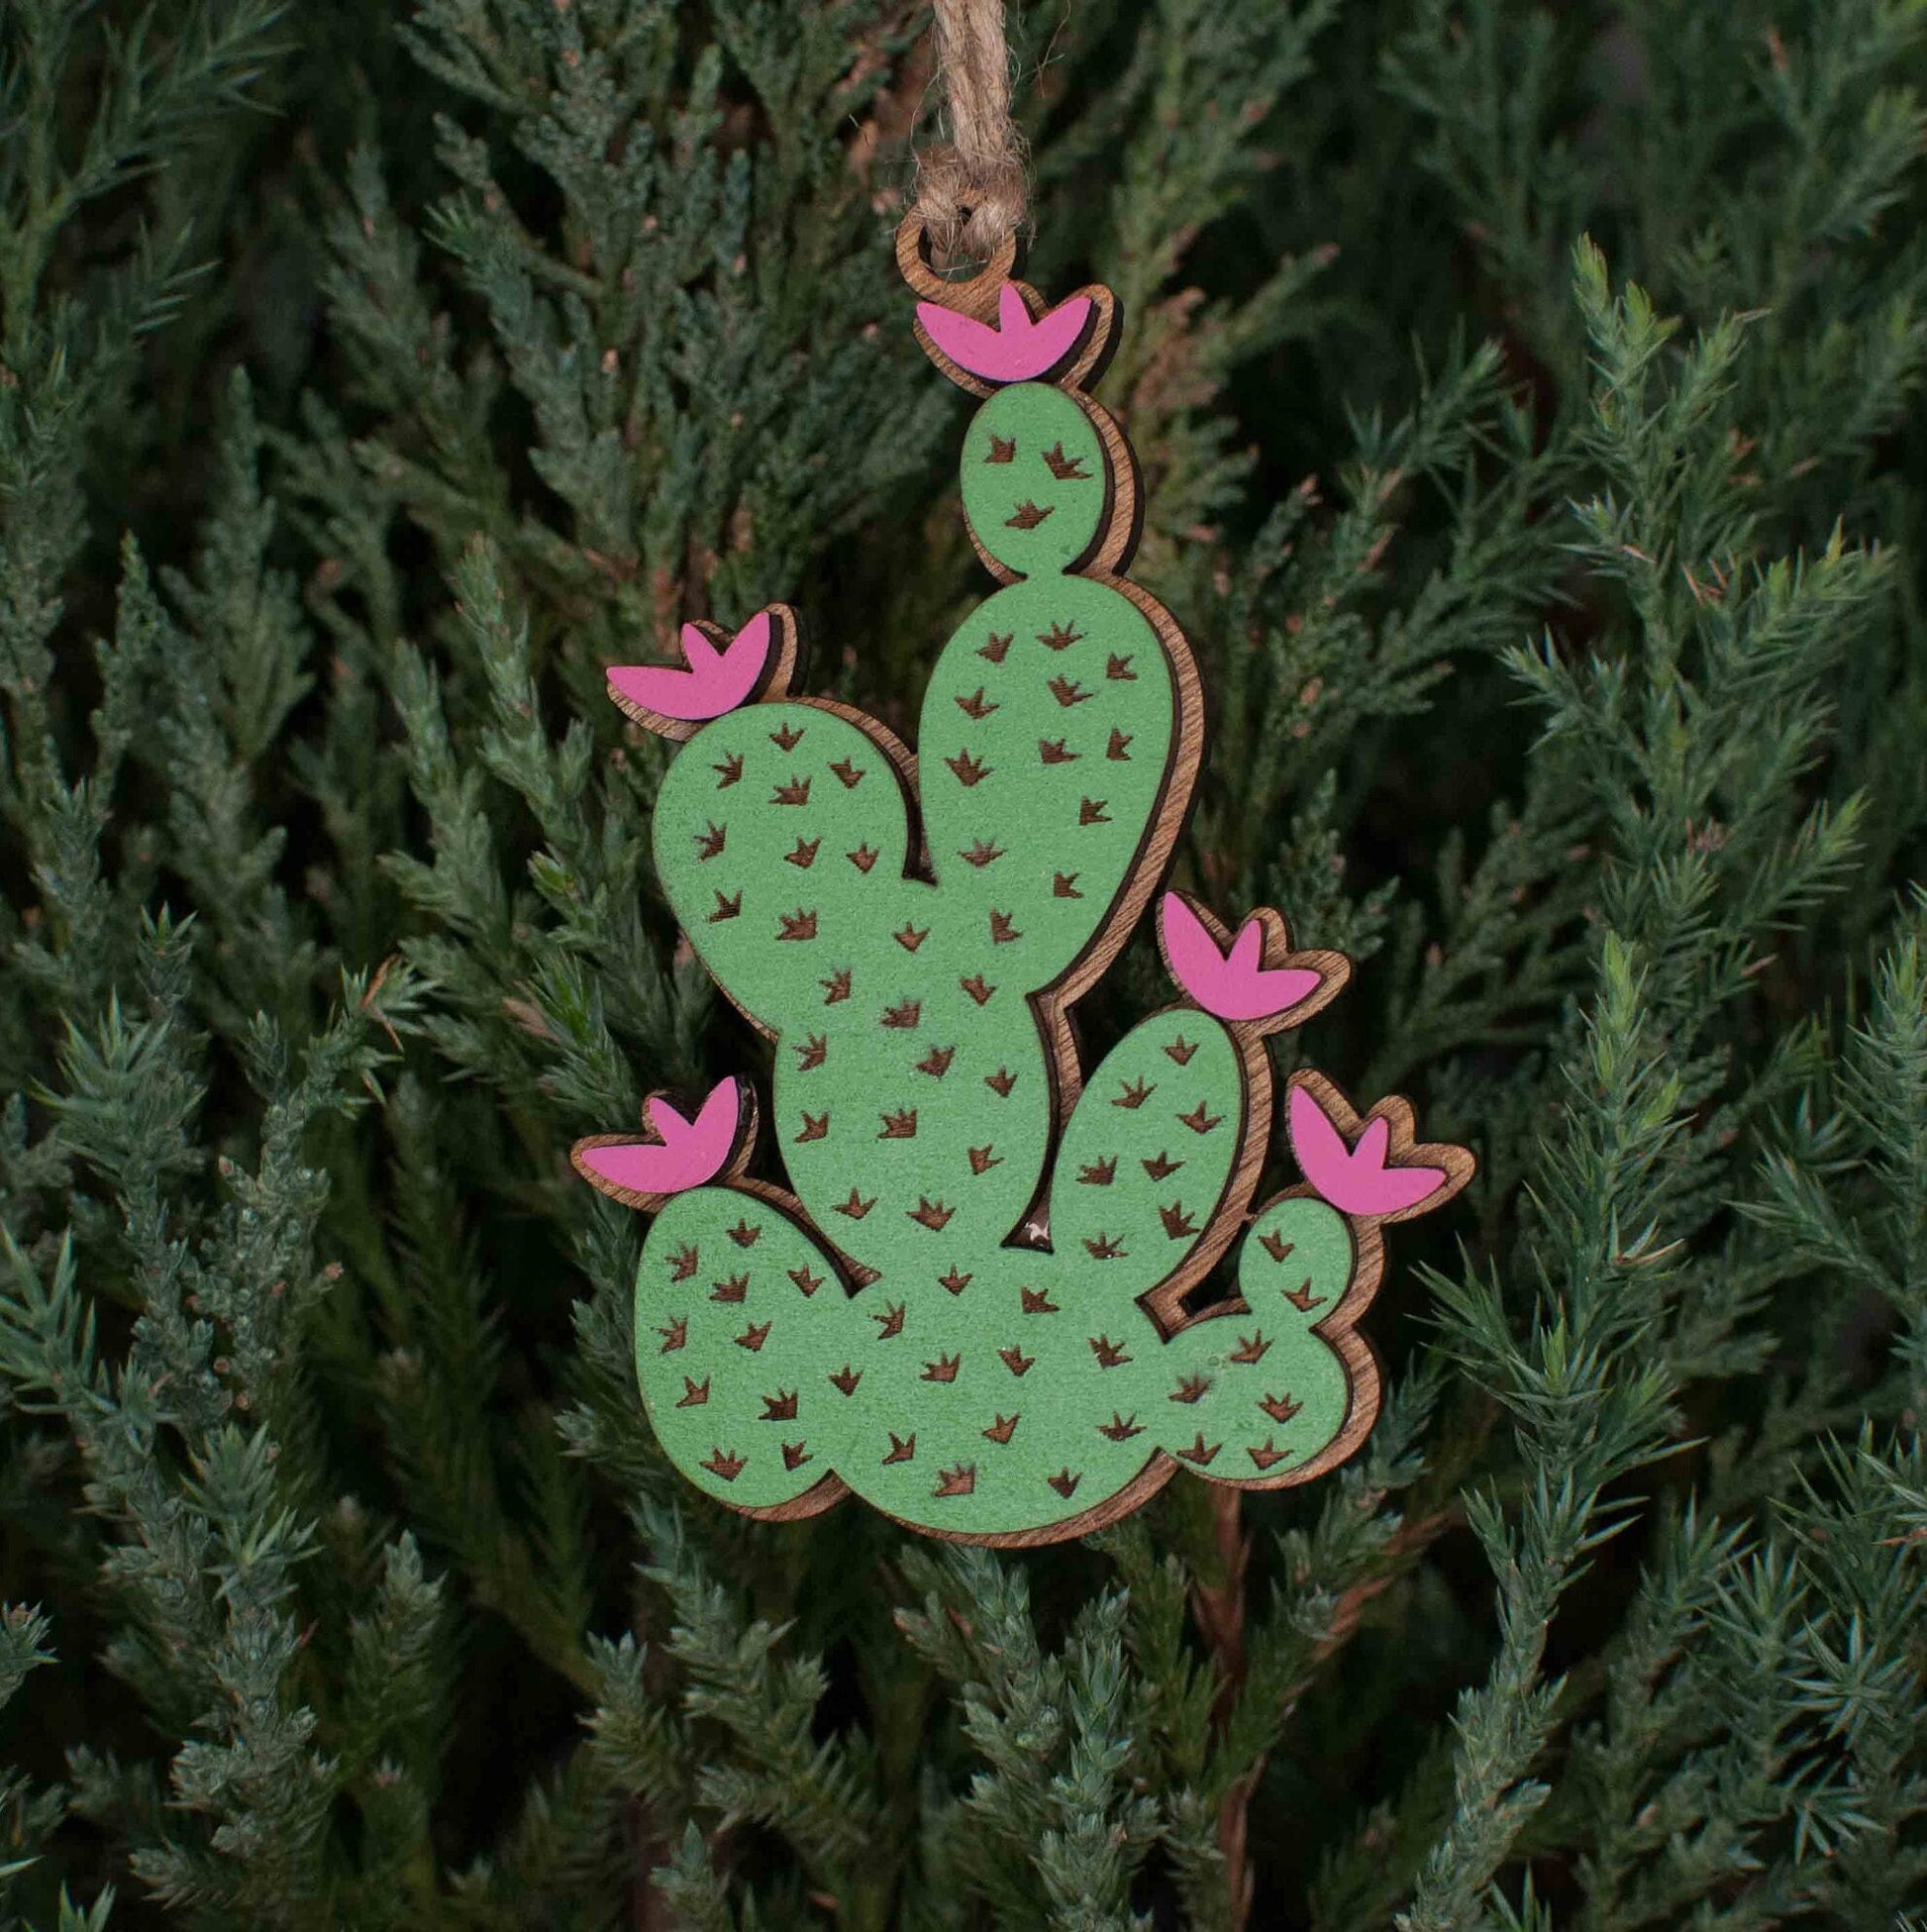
column 914, row 1114
column 741, row 1322
column 966, row 1427
column 1037, row 485
column 780, row 838
column 1045, row 749
column 1146, row 1158
column 1250, row 1398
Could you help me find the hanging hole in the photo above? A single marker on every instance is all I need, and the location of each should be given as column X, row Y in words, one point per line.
column 970, row 288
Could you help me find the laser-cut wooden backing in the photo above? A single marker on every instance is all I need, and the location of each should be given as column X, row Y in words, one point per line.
column 971, row 1308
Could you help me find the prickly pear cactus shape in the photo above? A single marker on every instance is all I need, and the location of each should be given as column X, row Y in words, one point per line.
column 970, row 1309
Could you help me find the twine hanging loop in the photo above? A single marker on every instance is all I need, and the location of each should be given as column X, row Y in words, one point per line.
column 971, row 194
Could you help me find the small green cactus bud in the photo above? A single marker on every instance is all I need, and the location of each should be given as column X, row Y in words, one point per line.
column 1036, row 487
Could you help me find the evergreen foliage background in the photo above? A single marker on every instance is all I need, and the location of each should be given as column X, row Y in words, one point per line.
column 370, row 375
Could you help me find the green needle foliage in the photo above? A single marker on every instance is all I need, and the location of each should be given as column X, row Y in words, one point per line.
column 1530, row 402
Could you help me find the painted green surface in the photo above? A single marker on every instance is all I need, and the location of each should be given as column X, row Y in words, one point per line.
column 1024, row 1396
column 1032, row 445
column 976, row 1385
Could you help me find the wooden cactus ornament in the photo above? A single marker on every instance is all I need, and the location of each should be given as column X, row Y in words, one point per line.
column 971, row 1312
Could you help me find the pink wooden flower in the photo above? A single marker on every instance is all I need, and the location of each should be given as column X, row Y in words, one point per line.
column 1355, row 1180
column 1234, row 986
column 1013, row 350
column 716, row 681
column 691, row 1153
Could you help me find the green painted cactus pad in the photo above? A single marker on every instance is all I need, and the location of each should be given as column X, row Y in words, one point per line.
column 971, row 1307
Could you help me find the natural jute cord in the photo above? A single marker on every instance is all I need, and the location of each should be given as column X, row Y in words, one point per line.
column 971, row 194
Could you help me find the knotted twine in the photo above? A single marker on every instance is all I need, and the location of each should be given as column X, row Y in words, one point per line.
column 970, row 193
